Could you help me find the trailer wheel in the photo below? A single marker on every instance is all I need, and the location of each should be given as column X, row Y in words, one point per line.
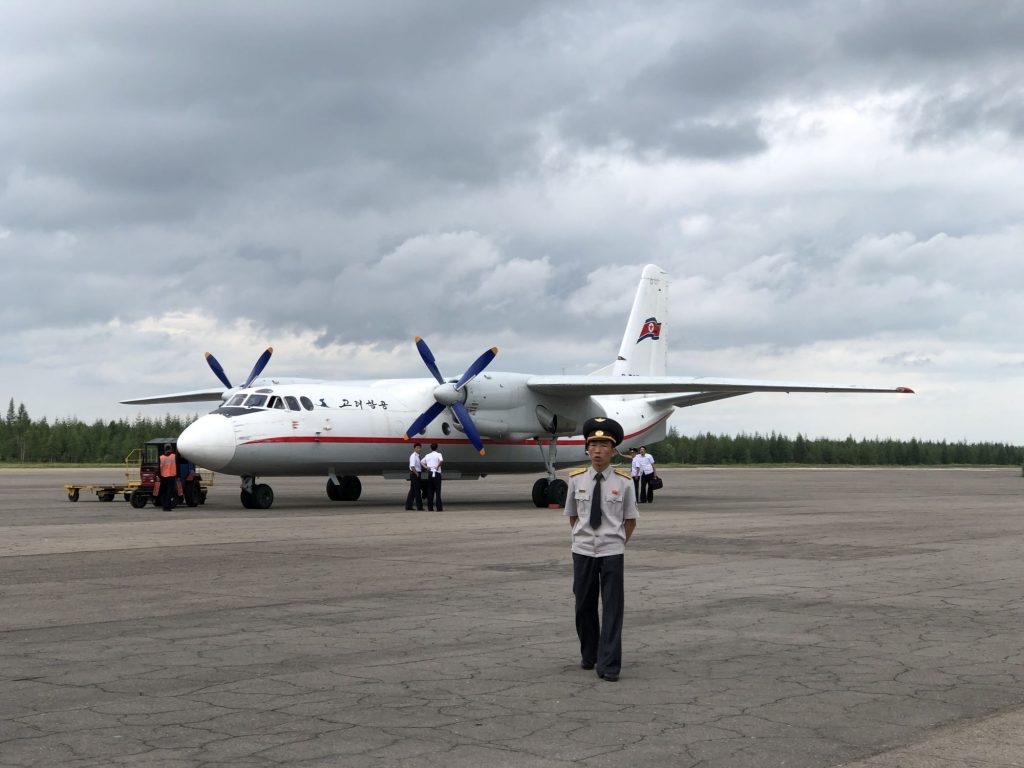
column 73, row 494
column 191, row 495
column 106, row 496
column 138, row 499
column 127, row 497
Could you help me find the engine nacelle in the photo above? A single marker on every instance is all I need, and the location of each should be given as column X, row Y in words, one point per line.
column 503, row 407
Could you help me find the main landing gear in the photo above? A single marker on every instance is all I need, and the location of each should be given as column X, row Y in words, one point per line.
column 256, row 495
column 345, row 488
column 549, row 491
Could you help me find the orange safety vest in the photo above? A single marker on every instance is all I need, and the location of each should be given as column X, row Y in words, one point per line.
column 168, row 466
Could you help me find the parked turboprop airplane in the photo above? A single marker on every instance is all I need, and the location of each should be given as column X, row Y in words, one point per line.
column 485, row 421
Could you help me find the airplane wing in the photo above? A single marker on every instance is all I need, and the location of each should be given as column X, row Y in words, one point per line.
column 575, row 386
column 195, row 396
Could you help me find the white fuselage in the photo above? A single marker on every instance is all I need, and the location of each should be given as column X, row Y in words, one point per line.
column 358, row 427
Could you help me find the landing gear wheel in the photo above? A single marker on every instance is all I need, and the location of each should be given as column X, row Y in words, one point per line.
column 262, row 496
column 540, row 493
column 247, row 500
column 557, row 491
column 138, row 499
column 192, row 495
column 333, row 491
column 351, row 488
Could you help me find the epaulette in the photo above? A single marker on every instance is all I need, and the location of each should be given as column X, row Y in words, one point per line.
column 579, row 471
column 623, row 473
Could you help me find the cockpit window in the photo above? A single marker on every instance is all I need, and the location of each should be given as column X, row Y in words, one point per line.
column 293, row 404
column 255, row 401
column 306, row 403
column 276, row 402
column 237, row 400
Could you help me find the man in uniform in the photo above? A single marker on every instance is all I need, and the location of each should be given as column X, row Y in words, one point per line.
column 415, row 484
column 601, row 507
column 433, row 461
column 635, row 471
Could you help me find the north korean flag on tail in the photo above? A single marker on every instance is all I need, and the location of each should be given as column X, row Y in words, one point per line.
column 650, row 330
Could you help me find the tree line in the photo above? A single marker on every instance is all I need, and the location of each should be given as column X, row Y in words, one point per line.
column 71, row 441
column 780, row 449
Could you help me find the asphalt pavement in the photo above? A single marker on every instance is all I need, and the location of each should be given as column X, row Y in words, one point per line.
column 774, row 617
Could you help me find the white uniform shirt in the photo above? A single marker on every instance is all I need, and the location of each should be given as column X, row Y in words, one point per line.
column 618, row 504
column 646, row 463
column 634, row 466
column 415, row 463
column 432, row 461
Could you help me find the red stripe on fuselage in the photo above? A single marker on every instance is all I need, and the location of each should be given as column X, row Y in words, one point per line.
column 438, row 440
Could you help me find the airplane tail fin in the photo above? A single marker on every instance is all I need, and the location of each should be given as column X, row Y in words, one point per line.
column 643, row 351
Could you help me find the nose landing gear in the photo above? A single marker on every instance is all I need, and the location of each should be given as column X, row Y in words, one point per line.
column 256, row 495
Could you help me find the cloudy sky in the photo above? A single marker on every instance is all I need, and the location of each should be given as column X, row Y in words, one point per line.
column 836, row 190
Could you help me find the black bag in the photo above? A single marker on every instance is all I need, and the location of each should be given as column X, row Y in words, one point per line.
column 655, row 483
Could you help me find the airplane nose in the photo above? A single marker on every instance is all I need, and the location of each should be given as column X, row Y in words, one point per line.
column 208, row 442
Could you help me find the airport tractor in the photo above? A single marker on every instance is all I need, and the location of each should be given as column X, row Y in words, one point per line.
column 141, row 478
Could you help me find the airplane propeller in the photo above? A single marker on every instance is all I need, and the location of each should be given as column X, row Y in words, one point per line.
column 257, row 369
column 450, row 395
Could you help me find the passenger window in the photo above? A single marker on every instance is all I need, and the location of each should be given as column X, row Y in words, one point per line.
column 275, row 402
column 293, row 404
column 256, row 401
column 237, row 400
column 306, row 403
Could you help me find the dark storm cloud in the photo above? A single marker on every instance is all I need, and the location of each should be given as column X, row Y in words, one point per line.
column 151, row 106
column 703, row 96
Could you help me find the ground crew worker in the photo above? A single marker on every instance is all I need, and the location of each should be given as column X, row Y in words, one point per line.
column 168, row 478
column 601, row 507
column 415, row 483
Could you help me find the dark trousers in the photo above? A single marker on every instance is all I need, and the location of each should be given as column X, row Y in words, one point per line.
column 636, row 488
column 600, row 638
column 415, row 491
column 434, row 493
column 168, row 493
column 646, row 492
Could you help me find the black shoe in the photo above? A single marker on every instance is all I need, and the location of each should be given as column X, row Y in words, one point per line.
column 586, row 665
column 609, row 677
column 418, row 509
column 408, row 509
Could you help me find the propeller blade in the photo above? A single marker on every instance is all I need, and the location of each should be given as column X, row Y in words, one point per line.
column 260, row 365
column 469, row 427
column 217, row 369
column 478, row 365
column 424, row 419
column 428, row 358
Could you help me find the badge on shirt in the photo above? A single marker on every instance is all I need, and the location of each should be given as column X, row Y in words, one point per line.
column 582, row 494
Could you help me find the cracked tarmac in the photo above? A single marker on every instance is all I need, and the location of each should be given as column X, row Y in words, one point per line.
column 795, row 617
